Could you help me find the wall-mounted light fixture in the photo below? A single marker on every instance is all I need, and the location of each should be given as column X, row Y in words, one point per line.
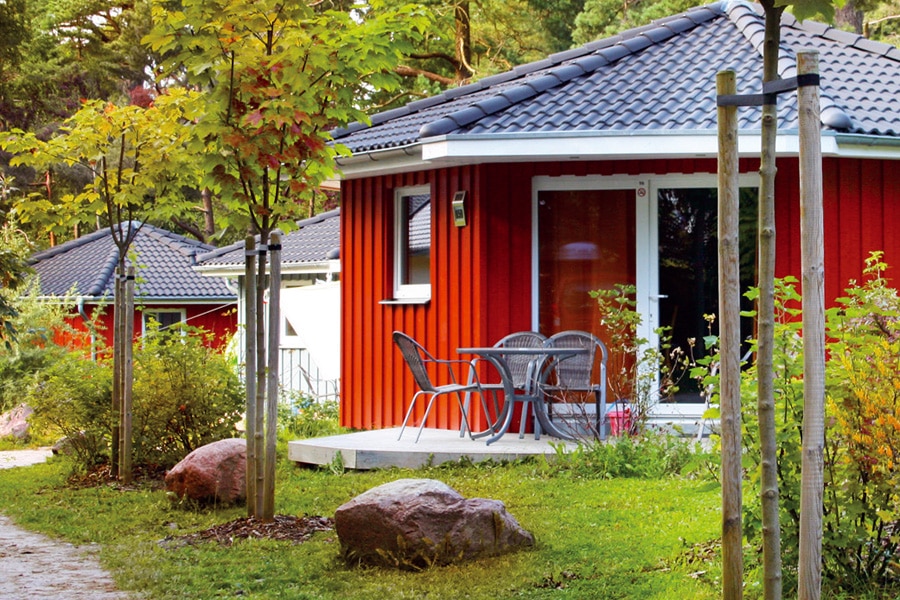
column 459, row 208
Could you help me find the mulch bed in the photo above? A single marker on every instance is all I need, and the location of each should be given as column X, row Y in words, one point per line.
column 283, row 528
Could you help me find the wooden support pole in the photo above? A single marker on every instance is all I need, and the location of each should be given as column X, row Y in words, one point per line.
column 118, row 313
column 274, row 330
column 730, row 342
column 812, row 248
column 250, row 368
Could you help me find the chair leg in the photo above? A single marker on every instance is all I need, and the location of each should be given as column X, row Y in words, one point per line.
column 465, row 426
column 425, row 416
column 523, row 419
column 409, row 413
column 601, row 417
column 465, row 411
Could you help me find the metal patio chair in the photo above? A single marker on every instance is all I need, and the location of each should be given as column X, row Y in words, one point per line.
column 583, row 374
column 418, row 360
column 524, row 371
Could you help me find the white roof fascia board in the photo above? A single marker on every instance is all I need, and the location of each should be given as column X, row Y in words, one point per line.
column 595, row 146
column 325, row 266
column 863, row 146
column 454, row 150
column 380, row 162
column 146, row 300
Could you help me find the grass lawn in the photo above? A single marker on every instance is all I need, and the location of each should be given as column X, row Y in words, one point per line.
column 617, row 538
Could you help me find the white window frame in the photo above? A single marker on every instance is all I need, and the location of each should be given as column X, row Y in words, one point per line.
column 402, row 290
column 149, row 312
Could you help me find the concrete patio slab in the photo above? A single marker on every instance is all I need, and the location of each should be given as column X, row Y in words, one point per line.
column 379, row 449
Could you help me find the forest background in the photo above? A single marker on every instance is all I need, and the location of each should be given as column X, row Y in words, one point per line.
column 55, row 54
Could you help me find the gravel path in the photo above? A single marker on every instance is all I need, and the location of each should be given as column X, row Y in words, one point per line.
column 35, row 566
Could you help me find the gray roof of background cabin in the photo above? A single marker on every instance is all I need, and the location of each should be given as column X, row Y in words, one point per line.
column 317, row 239
column 163, row 262
column 656, row 78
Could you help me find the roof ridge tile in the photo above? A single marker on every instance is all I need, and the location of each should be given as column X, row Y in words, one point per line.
column 99, row 285
column 751, row 24
column 565, row 66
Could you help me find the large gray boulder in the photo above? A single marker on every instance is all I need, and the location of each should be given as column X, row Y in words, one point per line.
column 216, row 472
column 414, row 523
column 14, row 423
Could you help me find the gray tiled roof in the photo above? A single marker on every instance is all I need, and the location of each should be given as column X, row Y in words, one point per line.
column 316, row 239
column 659, row 77
column 164, row 260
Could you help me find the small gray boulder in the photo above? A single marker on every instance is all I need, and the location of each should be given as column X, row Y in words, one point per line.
column 14, row 423
column 415, row 523
column 216, row 472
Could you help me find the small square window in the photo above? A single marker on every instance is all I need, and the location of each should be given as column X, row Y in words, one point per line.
column 165, row 317
column 412, row 243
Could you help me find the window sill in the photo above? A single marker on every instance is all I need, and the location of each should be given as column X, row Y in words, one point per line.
column 406, row 301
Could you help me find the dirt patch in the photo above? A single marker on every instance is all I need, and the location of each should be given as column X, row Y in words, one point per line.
column 283, row 528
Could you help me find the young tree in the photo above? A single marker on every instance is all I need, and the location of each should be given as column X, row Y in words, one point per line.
column 772, row 568
column 137, row 161
column 279, row 76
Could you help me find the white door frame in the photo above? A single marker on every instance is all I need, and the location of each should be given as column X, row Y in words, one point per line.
column 646, row 190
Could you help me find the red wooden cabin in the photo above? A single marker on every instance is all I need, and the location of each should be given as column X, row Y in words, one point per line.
column 82, row 272
column 594, row 167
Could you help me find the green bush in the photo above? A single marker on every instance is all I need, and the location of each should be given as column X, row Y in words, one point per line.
column 18, row 368
column 648, row 455
column 302, row 416
column 37, row 323
column 185, row 396
column 861, row 507
column 73, row 396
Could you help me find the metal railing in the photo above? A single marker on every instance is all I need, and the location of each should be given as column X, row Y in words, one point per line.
column 298, row 373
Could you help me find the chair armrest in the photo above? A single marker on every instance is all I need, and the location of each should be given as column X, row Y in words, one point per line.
column 449, row 364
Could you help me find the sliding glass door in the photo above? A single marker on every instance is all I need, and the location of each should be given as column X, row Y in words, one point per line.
column 660, row 235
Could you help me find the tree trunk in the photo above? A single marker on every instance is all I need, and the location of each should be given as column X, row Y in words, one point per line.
column 730, row 342
column 765, row 407
column 259, row 426
column 850, row 16
column 125, row 458
column 209, row 220
column 464, row 68
column 250, row 369
column 268, row 513
column 812, row 246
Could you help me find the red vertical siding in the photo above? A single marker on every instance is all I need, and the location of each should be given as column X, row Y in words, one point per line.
column 481, row 276
column 481, row 273
column 218, row 319
column 861, row 203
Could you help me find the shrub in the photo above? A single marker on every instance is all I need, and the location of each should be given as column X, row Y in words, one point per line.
column 185, row 396
column 304, row 416
column 648, row 455
column 37, row 323
column 861, row 508
column 18, row 368
column 638, row 374
column 863, row 406
column 73, row 396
